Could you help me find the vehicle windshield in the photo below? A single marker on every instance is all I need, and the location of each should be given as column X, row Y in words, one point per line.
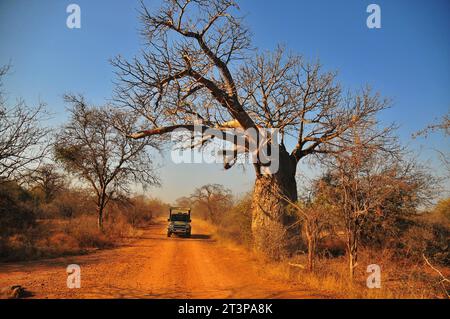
column 180, row 217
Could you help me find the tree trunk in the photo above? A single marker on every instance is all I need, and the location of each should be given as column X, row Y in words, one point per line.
column 310, row 256
column 101, row 203
column 310, row 237
column 352, row 251
column 100, row 218
column 272, row 229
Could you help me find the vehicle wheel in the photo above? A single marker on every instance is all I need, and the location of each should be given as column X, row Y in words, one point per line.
column 188, row 234
column 168, row 234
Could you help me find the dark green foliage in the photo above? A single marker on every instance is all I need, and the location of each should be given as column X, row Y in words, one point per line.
column 17, row 211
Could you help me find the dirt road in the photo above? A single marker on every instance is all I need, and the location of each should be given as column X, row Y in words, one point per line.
column 154, row 266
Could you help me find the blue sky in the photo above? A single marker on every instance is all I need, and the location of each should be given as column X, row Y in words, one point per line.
column 408, row 60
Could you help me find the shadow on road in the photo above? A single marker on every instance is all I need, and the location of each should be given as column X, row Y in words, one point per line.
column 163, row 237
column 200, row 236
column 194, row 237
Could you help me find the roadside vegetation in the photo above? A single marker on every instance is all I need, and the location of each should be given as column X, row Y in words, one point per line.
column 34, row 228
column 68, row 190
column 72, row 189
column 411, row 250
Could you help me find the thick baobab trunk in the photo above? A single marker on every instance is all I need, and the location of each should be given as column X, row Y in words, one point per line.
column 272, row 229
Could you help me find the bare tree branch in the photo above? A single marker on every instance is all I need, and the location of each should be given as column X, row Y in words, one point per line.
column 93, row 146
column 23, row 143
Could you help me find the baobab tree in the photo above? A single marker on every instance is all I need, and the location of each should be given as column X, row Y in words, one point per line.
column 198, row 67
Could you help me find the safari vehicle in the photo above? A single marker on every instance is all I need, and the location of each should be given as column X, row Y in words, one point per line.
column 179, row 221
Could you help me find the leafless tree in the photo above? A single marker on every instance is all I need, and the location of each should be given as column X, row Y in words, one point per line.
column 313, row 215
column 369, row 177
column 442, row 126
column 93, row 146
column 183, row 202
column 199, row 68
column 48, row 181
column 23, row 142
column 214, row 198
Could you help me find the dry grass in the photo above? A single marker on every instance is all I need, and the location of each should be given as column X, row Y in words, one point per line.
column 61, row 237
column 400, row 277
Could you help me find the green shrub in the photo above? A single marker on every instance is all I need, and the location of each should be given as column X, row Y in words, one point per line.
column 17, row 212
column 236, row 223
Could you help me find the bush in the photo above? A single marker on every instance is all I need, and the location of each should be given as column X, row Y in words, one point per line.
column 439, row 247
column 17, row 211
column 140, row 210
column 85, row 231
column 425, row 238
column 118, row 228
column 236, row 223
column 67, row 204
column 31, row 228
column 440, row 213
column 41, row 241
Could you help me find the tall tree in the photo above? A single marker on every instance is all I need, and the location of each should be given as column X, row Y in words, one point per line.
column 23, row 142
column 368, row 181
column 48, row 181
column 198, row 68
column 215, row 198
column 93, row 146
column 313, row 215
